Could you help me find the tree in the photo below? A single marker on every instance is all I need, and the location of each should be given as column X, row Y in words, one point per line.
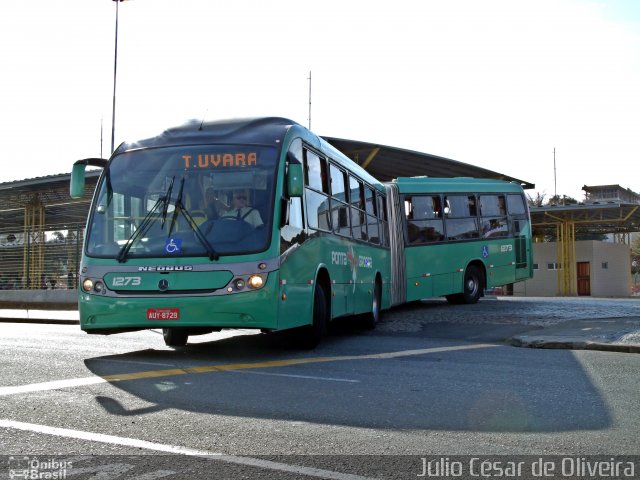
column 537, row 201
column 562, row 200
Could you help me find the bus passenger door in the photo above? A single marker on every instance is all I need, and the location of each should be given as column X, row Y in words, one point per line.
column 295, row 268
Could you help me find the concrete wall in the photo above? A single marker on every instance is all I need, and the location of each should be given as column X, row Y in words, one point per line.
column 44, row 299
column 612, row 281
column 615, row 279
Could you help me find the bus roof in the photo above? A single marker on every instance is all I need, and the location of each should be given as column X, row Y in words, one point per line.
column 457, row 184
column 259, row 131
column 255, row 131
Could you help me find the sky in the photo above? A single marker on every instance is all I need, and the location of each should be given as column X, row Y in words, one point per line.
column 498, row 84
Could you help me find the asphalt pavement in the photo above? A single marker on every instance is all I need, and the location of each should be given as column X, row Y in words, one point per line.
column 579, row 323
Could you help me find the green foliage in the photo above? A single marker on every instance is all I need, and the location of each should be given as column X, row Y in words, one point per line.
column 562, row 200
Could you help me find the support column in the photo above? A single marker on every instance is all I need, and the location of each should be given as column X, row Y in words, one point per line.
column 566, row 256
column 33, row 250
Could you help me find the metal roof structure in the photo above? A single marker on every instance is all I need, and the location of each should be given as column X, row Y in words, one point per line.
column 52, row 192
column 596, row 218
column 386, row 163
column 565, row 222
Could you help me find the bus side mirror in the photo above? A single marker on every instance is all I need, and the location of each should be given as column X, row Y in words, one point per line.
column 76, row 188
column 295, row 185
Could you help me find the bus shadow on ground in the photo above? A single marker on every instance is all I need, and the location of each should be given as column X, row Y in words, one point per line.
column 465, row 390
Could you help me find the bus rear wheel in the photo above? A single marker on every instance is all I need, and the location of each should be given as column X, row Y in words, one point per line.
column 175, row 337
column 471, row 288
column 472, row 285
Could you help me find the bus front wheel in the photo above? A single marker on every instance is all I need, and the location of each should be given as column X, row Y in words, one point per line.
column 373, row 317
column 312, row 334
column 175, row 337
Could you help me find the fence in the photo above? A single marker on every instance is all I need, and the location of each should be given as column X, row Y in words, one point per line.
column 36, row 259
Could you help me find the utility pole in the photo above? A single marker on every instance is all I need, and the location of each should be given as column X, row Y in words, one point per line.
column 555, row 187
column 115, row 71
column 309, row 99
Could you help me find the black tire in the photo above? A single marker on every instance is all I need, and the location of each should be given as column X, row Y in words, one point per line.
column 455, row 299
column 472, row 287
column 313, row 334
column 373, row 317
column 175, row 337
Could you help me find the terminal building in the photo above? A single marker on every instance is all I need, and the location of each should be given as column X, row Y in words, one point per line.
column 42, row 228
column 568, row 261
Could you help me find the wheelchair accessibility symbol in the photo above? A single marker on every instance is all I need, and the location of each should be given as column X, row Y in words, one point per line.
column 173, row 245
column 485, row 251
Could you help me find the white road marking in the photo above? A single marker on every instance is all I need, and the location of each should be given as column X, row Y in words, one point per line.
column 176, row 449
column 54, row 385
column 309, row 377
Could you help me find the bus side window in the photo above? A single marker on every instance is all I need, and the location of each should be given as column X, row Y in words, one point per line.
column 494, row 216
column 517, row 213
column 382, row 224
column 356, row 199
column 382, row 208
column 516, row 205
column 408, row 210
column 295, row 213
column 373, row 231
column 339, row 205
column 473, row 209
column 424, row 223
column 462, row 221
column 315, row 173
column 316, row 194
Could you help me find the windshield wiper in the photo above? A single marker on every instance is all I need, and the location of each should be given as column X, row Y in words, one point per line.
column 180, row 208
column 167, row 197
column 146, row 223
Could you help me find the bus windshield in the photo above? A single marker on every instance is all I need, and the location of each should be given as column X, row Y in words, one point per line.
column 184, row 201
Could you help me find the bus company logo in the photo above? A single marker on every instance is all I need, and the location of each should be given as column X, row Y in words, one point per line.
column 166, row 268
column 28, row 468
column 365, row 262
column 339, row 258
column 347, row 259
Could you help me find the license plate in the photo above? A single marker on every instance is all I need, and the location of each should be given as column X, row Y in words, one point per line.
column 163, row 313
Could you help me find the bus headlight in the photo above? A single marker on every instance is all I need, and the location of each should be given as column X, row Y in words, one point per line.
column 87, row 285
column 255, row 281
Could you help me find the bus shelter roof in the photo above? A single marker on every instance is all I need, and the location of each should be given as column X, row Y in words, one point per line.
column 386, row 163
column 602, row 218
column 52, row 193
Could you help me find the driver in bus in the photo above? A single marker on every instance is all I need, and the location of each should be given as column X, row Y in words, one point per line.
column 241, row 210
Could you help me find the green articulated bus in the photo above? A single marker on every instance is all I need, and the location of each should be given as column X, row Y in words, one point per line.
column 456, row 237
column 234, row 224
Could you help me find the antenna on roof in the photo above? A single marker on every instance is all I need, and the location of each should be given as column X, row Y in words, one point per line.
column 101, row 129
column 309, row 99
column 203, row 118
